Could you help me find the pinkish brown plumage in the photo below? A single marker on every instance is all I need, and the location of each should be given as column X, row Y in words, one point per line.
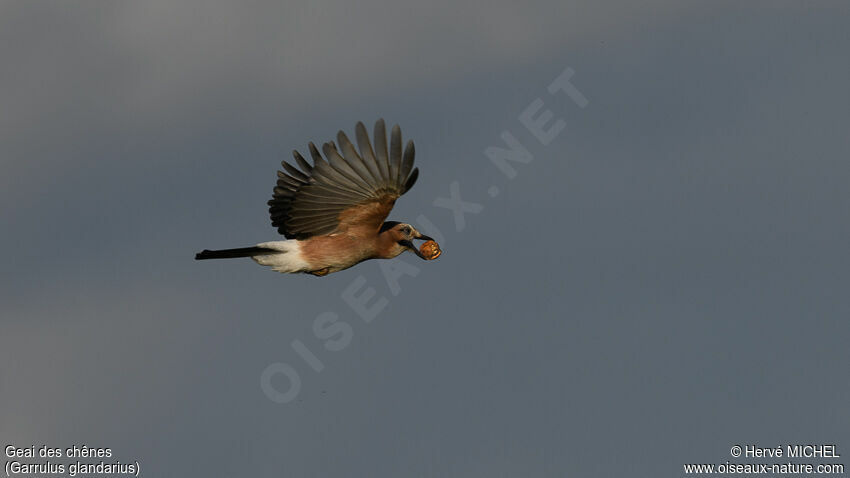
column 333, row 212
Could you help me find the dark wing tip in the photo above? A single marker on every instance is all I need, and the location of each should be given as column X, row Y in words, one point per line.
column 411, row 180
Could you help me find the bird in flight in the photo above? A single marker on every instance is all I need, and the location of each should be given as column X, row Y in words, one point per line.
column 333, row 212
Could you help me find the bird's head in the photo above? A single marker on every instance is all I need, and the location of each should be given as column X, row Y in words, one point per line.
column 403, row 234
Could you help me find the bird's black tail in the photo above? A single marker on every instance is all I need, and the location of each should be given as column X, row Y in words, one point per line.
column 231, row 253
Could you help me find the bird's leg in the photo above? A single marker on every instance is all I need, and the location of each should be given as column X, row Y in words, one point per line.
column 321, row 272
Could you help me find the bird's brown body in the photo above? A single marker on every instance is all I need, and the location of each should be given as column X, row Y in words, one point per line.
column 334, row 212
column 335, row 252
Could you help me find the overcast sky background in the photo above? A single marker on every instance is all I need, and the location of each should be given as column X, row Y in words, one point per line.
column 667, row 278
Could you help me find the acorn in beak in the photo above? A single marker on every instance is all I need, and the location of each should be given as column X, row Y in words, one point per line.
column 429, row 250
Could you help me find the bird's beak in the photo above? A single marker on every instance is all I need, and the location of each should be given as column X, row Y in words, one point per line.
column 419, row 235
column 413, row 248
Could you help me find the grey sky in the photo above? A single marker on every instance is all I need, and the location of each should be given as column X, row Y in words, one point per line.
column 664, row 280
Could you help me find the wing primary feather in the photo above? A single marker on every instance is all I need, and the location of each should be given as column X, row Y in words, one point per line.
column 280, row 191
column 328, row 180
column 366, row 152
column 302, row 163
column 281, row 174
column 395, row 155
column 407, row 161
column 312, row 223
column 289, row 179
column 302, row 218
column 341, row 165
column 288, row 182
column 353, row 159
column 309, row 203
column 322, row 193
column 317, row 157
column 381, row 151
column 295, row 172
column 327, row 174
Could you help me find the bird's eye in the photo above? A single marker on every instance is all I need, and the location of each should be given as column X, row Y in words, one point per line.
column 406, row 230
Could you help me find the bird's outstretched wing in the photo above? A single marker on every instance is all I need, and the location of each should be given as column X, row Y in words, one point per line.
column 345, row 191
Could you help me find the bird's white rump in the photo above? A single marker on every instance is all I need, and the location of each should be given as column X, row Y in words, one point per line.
column 288, row 260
